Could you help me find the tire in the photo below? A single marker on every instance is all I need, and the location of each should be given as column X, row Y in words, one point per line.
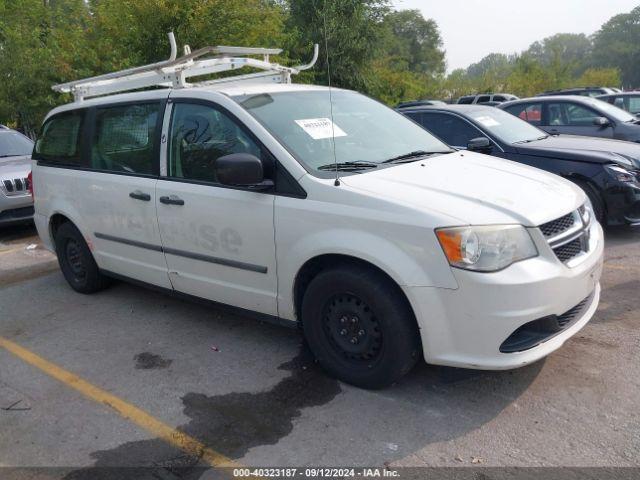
column 377, row 348
column 76, row 261
column 596, row 200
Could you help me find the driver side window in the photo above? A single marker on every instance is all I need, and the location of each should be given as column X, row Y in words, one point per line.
column 454, row 131
column 199, row 135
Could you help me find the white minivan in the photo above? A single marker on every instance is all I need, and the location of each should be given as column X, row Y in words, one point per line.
column 343, row 217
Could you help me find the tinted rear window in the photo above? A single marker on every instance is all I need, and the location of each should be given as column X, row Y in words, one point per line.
column 124, row 138
column 59, row 140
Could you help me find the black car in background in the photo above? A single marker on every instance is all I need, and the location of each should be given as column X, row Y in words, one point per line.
column 607, row 170
column 582, row 91
column 629, row 101
column 576, row 116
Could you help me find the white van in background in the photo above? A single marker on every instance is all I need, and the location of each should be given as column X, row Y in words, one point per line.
column 350, row 220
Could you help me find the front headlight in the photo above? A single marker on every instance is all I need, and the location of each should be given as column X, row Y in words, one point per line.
column 486, row 248
column 620, row 173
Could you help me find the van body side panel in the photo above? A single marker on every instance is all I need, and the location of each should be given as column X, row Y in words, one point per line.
column 123, row 230
column 219, row 245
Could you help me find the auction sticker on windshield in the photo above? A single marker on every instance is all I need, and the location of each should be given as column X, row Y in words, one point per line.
column 488, row 121
column 320, row 128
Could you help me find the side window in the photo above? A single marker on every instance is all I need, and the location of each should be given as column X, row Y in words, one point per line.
column 466, row 100
column 124, row 138
column 529, row 112
column 484, row 99
column 59, row 140
column 415, row 116
column 580, row 116
column 199, row 135
column 452, row 130
column 499, row 98
column 618, row 102
column 634, row 105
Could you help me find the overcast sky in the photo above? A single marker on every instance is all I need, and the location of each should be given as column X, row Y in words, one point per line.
column 472, row 29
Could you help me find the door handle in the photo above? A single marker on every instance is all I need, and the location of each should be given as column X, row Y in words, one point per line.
column 138, row 195
column 171, row 200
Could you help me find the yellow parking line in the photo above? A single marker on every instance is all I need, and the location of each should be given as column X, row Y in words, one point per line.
column 176, row 438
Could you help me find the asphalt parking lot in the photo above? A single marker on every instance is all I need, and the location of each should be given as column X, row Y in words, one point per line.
column 249, row 393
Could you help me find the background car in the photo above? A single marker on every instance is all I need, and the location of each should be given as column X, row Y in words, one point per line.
column 629, row 101
column 575, row 115
column 420, row 103
column 581, row 91
column 486, row 98
column 607, row 170
column 16, row 202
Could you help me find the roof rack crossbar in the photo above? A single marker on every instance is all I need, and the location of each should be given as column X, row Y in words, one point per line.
column 174, row 72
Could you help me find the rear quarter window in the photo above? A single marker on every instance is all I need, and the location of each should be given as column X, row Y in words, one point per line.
column 59, row 140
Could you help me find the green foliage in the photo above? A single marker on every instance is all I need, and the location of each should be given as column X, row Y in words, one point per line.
column 388, row 54
column 617, row 45
column 600, row 76
column 348, row 29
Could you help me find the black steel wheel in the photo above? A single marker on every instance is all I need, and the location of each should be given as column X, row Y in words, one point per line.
column 359, row 326
column 76, row 261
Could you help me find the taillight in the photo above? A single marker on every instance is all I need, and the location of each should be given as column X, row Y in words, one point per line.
column 30, row 182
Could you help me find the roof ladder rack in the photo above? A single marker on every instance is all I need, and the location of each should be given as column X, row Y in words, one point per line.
column 174, row 72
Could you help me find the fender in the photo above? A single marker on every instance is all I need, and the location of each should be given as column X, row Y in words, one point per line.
column 389, row 257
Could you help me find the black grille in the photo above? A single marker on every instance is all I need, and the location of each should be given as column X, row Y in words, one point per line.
column 8, row 184
column 557, row 226
column 18, row 183
column 534, row 333
column 569, row 250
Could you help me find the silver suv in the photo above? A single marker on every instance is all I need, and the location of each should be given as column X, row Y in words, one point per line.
column 16, row 201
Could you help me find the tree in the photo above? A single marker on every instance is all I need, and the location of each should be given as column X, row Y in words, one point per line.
column 348, row 30
column 42, row 43
column 617, row 45
column 567, row 53
column 414, row 42
column 608, row 77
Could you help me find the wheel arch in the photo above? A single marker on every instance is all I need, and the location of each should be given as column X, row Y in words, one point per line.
column 313, row 266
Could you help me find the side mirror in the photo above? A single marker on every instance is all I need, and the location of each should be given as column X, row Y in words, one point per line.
column 480, row 144
column 241, row 170
column 601, row 122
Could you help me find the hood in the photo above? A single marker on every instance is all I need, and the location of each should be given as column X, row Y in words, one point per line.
column 15, row 167
column 471, row 188
column 585, row 149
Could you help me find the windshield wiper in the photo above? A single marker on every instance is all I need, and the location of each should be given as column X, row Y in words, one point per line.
column 413, row 156
column 349, row 166
column 531, row 140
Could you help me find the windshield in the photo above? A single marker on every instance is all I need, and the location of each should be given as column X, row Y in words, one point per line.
column 365, row 130
column 506, row 127
column 14, row 144
column 611, row 110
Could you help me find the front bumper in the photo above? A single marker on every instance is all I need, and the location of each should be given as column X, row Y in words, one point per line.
column 15, row 209
column 466, row 327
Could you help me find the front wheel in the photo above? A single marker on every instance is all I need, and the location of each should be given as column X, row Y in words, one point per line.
column 76, row 261
column 359, row 326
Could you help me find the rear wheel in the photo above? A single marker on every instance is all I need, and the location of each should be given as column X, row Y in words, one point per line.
column 76, row 261
column 595, row 198
column 359, row 326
